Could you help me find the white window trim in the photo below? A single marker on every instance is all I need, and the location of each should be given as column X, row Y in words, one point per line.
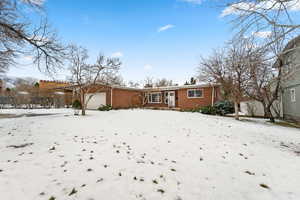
column 293, row 97
column 187, row 94
column 149, row 99
column 166, row 95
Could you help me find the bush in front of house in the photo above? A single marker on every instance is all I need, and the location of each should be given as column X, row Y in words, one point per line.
column 224, row 107
column 219, row 108
column 105, row 108
column 209, row 110
column 76, row 104
column 198, row 109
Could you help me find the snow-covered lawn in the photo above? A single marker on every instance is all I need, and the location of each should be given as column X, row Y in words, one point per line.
column 146, row 154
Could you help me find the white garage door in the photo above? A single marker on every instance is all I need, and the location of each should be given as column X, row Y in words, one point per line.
column 97, row 100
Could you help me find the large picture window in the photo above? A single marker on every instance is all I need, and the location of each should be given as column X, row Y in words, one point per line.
column 195, row 93
column 154, row 97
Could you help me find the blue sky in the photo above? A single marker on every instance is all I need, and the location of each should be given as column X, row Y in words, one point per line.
column 157, row 38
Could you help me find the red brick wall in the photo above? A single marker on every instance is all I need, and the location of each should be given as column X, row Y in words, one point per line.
column 124, row 98
column 188, row 103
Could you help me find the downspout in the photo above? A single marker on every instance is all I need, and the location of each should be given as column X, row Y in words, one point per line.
column 213, row 96
column 111, row 97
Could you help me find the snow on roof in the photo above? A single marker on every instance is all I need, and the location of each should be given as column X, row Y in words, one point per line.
column 167, row 87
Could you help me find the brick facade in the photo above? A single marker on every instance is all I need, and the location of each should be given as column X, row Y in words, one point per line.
column 125, row 98
column 122, row 97
column 189, row 103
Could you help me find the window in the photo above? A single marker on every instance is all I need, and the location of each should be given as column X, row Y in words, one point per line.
column 293, row 95
column 154, row 97
column 195, row 93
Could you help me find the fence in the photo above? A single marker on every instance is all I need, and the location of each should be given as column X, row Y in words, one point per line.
column 29, row 102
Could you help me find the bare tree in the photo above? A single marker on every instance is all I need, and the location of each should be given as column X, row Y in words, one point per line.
column 20, row 36
column 87, row 76
column 266, row 75
column 264, row 18
column 229, row 68
column 192, row 81
column 148, row 82
column 163, row 82
column 133, row 84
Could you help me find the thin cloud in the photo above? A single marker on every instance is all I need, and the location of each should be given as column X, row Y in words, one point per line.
column 198, row 2
column 166, row 27
column 117, row 55
column 36, row 2
column 237, row 9
column 262, row 34
column 148, row 67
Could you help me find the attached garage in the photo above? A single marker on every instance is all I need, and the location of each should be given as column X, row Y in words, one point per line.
column 97, row 100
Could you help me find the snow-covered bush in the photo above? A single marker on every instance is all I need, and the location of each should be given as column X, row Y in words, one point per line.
column 105, row 108
column 209, row 110
column 224, row 107
column 76, row 104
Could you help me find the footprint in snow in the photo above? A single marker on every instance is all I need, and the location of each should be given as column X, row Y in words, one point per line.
column 161, row 191
column 99, row 180
column 250, row 173
column 264, row 186
column 74, row 191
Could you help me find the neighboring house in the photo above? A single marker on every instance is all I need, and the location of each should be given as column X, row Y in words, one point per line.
column 255, row 108
column 57, row 90
column 288, row 104
column 291, row 82
column 175, row 97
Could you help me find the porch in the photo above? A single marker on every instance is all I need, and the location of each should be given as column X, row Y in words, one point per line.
column 163, row 100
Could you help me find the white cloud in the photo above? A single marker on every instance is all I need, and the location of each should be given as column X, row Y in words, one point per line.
column 234, row 8
column 36, row 2
column 148, row 67
column 117, row 54
column 262, row 34
column 166, row 27
column 293, row 5
column 193, row 1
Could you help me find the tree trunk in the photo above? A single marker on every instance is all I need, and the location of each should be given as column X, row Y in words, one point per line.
column 82, row 103
column 269, row 114
column 83, row 110
column 236, row 110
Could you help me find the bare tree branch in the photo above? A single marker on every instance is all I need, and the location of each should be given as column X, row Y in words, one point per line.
column 20, row 36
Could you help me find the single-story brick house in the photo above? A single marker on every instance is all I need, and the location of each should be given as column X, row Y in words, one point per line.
column 176, row 97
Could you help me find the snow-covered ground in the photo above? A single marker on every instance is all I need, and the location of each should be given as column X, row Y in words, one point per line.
column 146, row 154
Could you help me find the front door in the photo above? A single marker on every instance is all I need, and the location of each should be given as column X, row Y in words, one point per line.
column 171, row 99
